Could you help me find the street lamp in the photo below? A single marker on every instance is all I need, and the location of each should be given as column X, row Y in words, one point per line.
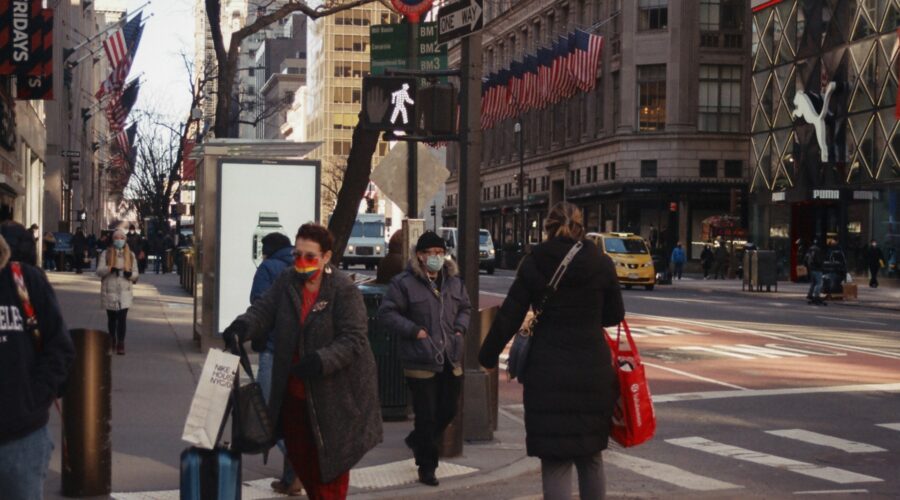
column 518, row 130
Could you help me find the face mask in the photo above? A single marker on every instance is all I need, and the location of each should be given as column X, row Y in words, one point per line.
column 120, row 244
column 434, row 263
column 307, row 268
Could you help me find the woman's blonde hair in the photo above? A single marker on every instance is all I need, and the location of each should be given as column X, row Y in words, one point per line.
column 564, row 220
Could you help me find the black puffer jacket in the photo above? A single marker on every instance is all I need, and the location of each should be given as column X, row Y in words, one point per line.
column 569, row 385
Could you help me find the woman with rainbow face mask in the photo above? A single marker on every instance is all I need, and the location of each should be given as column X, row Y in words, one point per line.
column 324, row 378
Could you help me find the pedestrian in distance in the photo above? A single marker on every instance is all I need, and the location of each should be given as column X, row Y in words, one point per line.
column 35, row 357
column 324, row 392
column 678, row 259
column 569, row 382
column 79, row 250
column 706, row 260
column 277, row 258
column 427, row 307
column 158, row 250
column 875, row 261
column 118, row 272
column 720, row 256
column 49, row 251
column 815, row 262
column 35, row 232
column 391, row 264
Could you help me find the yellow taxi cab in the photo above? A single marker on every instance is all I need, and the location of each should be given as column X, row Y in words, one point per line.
column 629, row 252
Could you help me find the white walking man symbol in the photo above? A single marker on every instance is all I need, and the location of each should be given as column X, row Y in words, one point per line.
column 399, row 100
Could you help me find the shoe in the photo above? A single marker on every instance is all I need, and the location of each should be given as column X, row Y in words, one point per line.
column 408, row 441
column 112, row 348
column 293, row 490
column 120, row 348
column 427, row 477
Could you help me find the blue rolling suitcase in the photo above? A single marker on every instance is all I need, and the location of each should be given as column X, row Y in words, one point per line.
column 210, row 474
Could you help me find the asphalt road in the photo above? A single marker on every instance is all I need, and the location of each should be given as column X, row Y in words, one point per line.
column 755, row 397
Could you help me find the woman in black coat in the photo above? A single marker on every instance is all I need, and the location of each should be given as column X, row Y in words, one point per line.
column 569, row 382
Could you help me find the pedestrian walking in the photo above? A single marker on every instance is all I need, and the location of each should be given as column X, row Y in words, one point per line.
column 118, row 272
column 324, row 392
column 875, row 261
column 706, row 260
column 428, row 307
column 569, row 382
column 678, row 259
column 79, row 250
column 278, row 257
column 391, row 264
column 815, row 262
column 36, row 354
column 720, row 256
column 157, row 250
column 49, row 251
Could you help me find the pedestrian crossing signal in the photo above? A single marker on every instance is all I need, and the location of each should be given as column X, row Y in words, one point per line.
column 389, row 103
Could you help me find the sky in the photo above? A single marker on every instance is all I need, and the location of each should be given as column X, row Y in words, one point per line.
column 165, row 80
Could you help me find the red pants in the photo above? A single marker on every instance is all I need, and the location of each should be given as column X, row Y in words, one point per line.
column 301, row 451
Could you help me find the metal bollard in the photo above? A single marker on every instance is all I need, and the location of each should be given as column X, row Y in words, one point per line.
column 87, row 406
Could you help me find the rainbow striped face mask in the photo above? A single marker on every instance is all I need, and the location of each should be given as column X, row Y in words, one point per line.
column 307, row 268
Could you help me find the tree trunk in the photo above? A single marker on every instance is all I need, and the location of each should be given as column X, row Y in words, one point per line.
column 356, row 179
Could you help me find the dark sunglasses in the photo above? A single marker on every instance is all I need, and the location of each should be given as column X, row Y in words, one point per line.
column 307, row 255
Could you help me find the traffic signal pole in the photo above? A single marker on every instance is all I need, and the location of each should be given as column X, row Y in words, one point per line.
column 412, row 158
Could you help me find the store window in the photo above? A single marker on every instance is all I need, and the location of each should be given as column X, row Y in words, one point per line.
column 721, row 15
column 648, row 168
column 651, row 97
column 720, row 98
column 708, row 168
column 734, row 169
column 653, row 14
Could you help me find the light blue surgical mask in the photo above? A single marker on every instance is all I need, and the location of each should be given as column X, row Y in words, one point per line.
column 120, row 244
column 434, row 263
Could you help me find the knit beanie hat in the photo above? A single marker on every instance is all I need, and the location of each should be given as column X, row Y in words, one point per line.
column 430, row 239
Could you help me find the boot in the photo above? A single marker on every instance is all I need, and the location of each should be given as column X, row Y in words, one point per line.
column 120, row 348
column 427, row 477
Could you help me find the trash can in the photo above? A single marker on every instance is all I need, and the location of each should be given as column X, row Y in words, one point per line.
column 391, row 384
column 761, row 270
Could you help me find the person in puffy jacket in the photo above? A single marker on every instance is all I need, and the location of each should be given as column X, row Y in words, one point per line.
column 34, row 364
column 117, row 268
column 678, row 259
column 569, row 382
column 428, row 308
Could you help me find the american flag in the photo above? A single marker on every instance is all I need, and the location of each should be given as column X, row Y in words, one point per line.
column 131, row 34
column 115, row 49
column 567, row 86
column 517, row 87
column 545, row 72
column 125, row 138
column 532, row 99
column 588, row 49
column 117, row 110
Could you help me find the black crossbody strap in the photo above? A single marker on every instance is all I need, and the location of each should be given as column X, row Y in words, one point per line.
column 557, row 277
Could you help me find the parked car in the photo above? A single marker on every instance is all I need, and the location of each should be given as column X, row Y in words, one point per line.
column 487, row 255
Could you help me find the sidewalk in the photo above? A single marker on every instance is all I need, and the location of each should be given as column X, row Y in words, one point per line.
column 152, row 389
column 883, row 297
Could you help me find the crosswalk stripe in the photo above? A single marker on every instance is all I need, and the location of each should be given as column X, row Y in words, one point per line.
column 666, row 473
column 832, row 474
column 824, row 440
column 892, row 426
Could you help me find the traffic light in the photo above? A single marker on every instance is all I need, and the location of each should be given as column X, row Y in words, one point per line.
column 74, row 170
column 388, row 103
column 433, row 210
column 436, row 110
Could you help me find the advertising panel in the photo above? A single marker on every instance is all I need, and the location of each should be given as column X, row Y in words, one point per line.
column 255, row 199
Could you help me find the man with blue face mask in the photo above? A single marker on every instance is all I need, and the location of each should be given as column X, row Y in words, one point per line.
column 428, row 308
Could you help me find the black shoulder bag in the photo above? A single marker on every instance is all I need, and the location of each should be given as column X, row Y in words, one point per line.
column 518, row 353
column 253, row 430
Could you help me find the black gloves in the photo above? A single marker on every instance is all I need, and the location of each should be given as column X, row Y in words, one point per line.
column 309, row 366
column 234, row 334
column 114, row 270
column 127, row 275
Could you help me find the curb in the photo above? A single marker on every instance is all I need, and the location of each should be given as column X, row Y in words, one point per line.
column 789, row 295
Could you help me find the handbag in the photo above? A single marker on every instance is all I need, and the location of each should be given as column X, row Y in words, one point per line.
column 518, row 353
column 634, row 421
column 253, row 430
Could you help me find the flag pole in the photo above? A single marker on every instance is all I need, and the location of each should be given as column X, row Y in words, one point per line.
column 116, row 25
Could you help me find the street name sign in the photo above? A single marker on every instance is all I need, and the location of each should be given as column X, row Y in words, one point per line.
column 388, row 103
column 458, row 19
column 390, row 47
column 70, row 153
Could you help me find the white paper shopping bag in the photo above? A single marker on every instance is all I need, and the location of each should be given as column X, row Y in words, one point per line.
column 211, row 399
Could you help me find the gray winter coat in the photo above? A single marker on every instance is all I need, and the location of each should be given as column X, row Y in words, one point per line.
column 411, row 304
column 343, row 403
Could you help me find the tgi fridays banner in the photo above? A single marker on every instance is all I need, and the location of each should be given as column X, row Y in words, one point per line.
column 26, row 48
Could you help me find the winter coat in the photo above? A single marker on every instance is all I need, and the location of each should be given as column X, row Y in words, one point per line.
column 392, row 263
column 874, row 258
column 814, row 258
column 30, row 379
column 706, row 257
column 411, row 305
column 265, row 277
column 134, row 243
column 678, row 256
column 721, row 254
column 116, row 292
column 343, row 402
column 569, row 383
column 79, row 245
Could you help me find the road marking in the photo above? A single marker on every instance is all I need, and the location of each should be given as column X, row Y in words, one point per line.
column 666, row 473
column 829, row 492
column 695, row 377
column 824, row 440
column 895, row 426
column 852, row 320
column 493, row 294
column 832, row 474
column 753, row 393
column 659, row 331
column 747, row 351
column 510, row 416
column 665, row 299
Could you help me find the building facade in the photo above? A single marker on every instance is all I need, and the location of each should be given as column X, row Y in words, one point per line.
column 826, row 143
column 659, row 146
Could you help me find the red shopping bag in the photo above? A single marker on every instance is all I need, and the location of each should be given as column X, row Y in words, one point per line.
column 634, row 420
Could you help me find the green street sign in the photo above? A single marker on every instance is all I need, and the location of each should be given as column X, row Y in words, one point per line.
column 390, row 42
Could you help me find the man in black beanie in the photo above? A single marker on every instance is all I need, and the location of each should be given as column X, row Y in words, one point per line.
column 428, row 308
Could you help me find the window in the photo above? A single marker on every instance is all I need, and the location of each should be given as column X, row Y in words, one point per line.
column 721, row 15
column 340, row 148
column 709, row 168
column 606, row 171
column 648, row 168
column 594, row 169
column 653, row 14
column 734, row 169
column 612, row 171
column 615, row 103
column 720, row 98
column 651, row 97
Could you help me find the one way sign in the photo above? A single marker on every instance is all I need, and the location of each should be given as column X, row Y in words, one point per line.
column 459, row 19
